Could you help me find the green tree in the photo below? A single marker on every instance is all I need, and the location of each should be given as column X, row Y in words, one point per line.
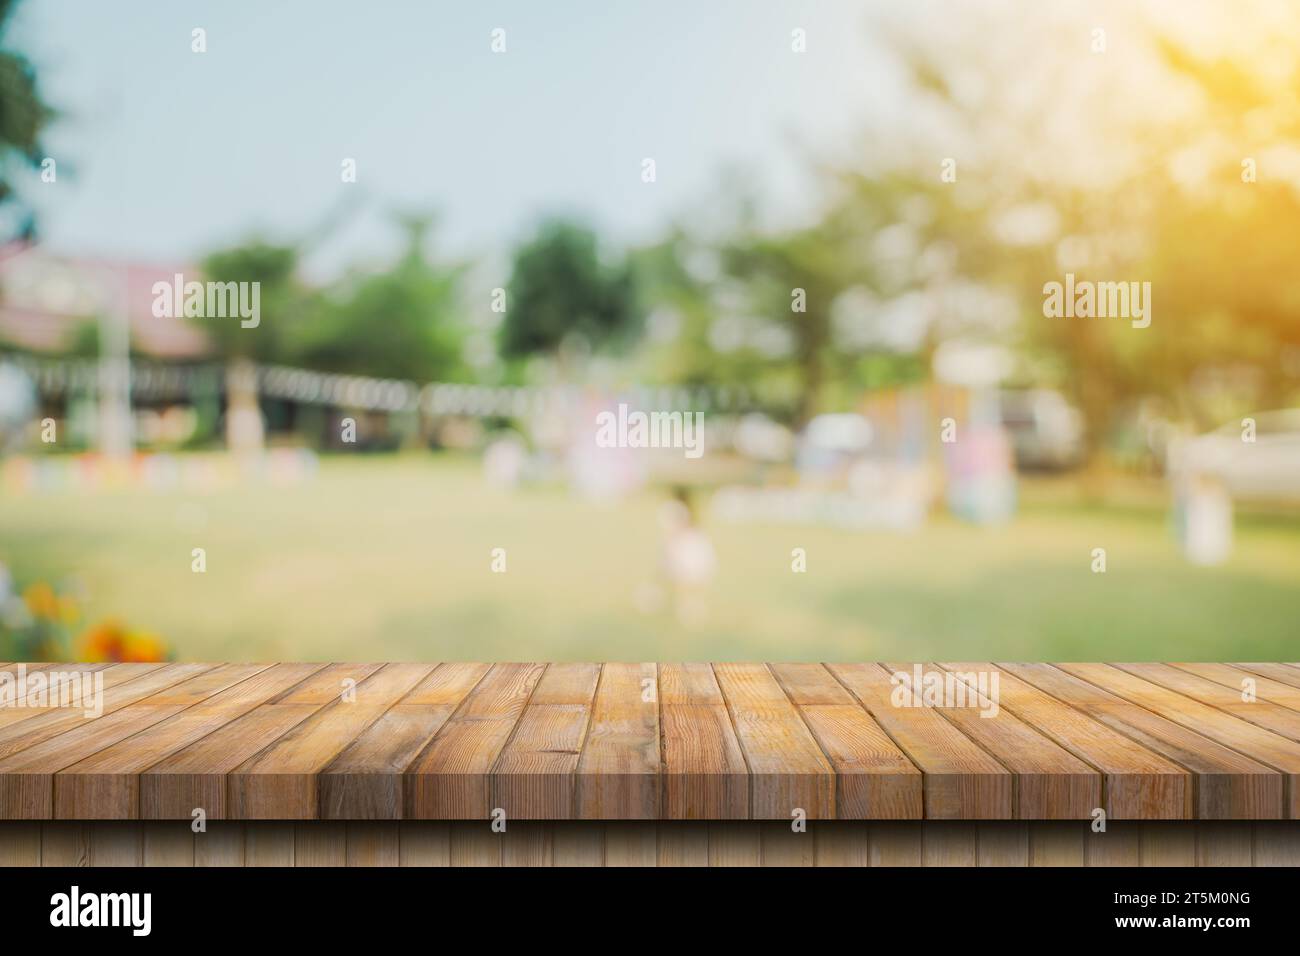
column 23, row 117
column 561, row 288
column 399, row 323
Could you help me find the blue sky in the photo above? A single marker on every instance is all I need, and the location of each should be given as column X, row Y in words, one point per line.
column 164, row 153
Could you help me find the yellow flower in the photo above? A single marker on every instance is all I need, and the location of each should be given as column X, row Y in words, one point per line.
column 41, row 600
column 145, row 647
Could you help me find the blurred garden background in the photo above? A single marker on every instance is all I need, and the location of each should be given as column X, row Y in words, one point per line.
column 824, row 228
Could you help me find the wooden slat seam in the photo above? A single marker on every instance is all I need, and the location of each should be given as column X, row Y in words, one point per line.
column 885, row 730
column 153, row 727
column 1105, row 777
column 1237, row 750
column 262, row 703
column 1193, row 775
column 1119, row 666
column 514, row 728
column 839, row 791
column 432, row 741
column 1285, row 774
column 740, row 741
column 586, row 732
column 1183, row 667
column 1015, row 777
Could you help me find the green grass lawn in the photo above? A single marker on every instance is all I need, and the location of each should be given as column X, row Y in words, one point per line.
column 389, row 559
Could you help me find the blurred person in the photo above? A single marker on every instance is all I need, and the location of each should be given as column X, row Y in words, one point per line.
column 688, row 561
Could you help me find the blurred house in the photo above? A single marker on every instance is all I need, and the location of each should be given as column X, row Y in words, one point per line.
column 48, row 301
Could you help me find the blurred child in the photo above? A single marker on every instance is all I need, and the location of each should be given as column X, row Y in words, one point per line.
column 687, row 560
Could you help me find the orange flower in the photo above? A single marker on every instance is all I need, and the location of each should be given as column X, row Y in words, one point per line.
column 106, row 641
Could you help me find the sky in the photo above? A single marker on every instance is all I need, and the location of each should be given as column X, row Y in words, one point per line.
column 164, row 153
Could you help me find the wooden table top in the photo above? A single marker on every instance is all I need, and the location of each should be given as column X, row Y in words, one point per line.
column 657, row 741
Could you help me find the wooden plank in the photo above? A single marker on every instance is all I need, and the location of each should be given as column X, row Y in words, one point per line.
column 577, row 844
column 268, row 844
column 423, row 843
column 62, row 681
column 1277, row 844
column 950, row 843
column 1168, row 844
column 1224, row 843
column 534, row 777
column 20, row 844
column 1120, row 844
column 1260, row 745
column 365, row 781
column 221, row 844
column 683, row 844
column 474, row 844
column 1262, row 713
column 631, row 843
column 732, row 843
column 116, row 843
column 618, row 772
column 527, row 844
column 64, row 843
column 1057, row 843
column 1138, row 783
column 704, row 772
column 371, row 843
column 1050, row 783
column 280, row 783
column 1265, row 688
column 961, row 781
column 27, row 777
column 168, row 844
column 106, row 785
column 1226, row 785
column 842, row 843
column 195, row 776
column 328, row 684
column 874, row 778
column 788, row 773
column 782, row 846
column 1003, row 843
column 124, row 684
column 450, row 777
column 320, row 843
column 895, row 843
column 1282, row 673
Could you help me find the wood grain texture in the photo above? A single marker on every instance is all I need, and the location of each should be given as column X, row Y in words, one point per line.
column 280, row 783
column 704, row 772
column 1050, row 783
column 961, row 780
column 618, row 772
column 1262, row 746
column 106, row 784
column 450, row 778
column 1226, row 785
column 788, row 773
column 874, row 779
column 367, row 742
column 27, row 776
column 1138, row 784
column 365, row 781
column 534, row 778
column 651, row 843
